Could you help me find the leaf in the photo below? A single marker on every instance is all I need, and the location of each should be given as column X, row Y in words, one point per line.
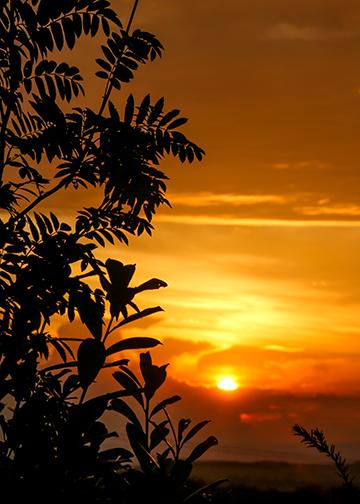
column 57, row 345
column 41, row 226
column 88, row 412
column 124, row 409
column 129, row 385
column 55, row 221
column 152, row 284
column 137, row 441
column 91, row 357
column 203, row 447
column 156, row 111
column 129, row 110
column 113, row 112
column 120, row 274
column 143, row 110
column 158, row 434
column 108, row 54
column 69, row 32
column 153, row 375
column 57, row 34
column 132, row 344
column 169, row 116
column 163, row 404
column 94, row 26
column 101, row 75
column 182, row 426
column 194, row 430
column 139, row 315
column 34, row 232
column 90, row 315
column 103, row 64
column 177, row 123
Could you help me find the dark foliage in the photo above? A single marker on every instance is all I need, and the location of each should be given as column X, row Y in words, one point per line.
column 52, row 432
column 315, row 438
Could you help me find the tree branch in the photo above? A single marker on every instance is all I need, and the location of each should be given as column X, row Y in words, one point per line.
column 38, row 200
column 109, row 86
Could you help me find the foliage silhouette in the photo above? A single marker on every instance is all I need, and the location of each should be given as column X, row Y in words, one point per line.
column 52, row 435
column 315, row 438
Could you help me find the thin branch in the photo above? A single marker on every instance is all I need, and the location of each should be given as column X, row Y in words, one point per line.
column 315, row 438
column 109, row 85
column 177, row 445
column 38, row 200
column 108, row 329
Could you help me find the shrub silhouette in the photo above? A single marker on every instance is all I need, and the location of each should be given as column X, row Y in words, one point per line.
column 52, row 433
column 315, row 438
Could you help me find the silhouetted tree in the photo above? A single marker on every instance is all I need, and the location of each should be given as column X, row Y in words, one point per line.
column 52, row 436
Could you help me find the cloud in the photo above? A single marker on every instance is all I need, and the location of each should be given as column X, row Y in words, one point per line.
column 276, row 210
column 208, row 199
column 283, row 367
column 312, row 165
column 288, row 31
column 344, row 210
column 226, row 220
column 174, row 347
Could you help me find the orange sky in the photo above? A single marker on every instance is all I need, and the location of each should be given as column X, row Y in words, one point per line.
column 261, row 248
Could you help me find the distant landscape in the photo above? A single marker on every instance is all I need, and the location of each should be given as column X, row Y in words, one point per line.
column 263, row 481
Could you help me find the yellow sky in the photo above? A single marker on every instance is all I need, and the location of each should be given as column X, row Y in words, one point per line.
column 261, row 248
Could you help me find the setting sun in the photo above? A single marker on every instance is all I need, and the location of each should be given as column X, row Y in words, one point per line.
column 227, row 383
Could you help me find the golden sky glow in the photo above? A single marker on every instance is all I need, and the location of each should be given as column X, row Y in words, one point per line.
column 261, row 249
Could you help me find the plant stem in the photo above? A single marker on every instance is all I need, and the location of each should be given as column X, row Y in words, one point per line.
column 147, row 422
column 177, row 446
column 9, row 100
column 108, row 329
column 38, row 200
column 82, row 397
column 109, row 85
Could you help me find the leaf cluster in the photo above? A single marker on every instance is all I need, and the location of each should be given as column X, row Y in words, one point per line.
column 315, row 438
column 53, row 434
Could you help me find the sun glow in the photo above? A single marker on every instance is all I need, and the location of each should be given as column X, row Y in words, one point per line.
column 227, row 383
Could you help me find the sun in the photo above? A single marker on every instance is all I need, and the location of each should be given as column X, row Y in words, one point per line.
column 227, row 383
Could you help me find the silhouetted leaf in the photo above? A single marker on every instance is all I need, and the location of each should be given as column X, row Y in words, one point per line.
column 132, row 344
column 137, row 441
column 203, row 447
column 194, row 430
column 143, row 110
column 163, row 404
column 139, row 315
column 124, row 409
column 153, row 375
column 156, row 111
column 91, row 357
column 129, row 385
column 129, row 110
column 183, row 424
column 158, row 434
column 168, row 117
column 177, row 123
column 120, row 274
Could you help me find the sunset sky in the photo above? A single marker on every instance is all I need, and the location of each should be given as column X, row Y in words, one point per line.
column 261, row 249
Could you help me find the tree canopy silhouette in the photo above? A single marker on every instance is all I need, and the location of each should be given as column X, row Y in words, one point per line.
column 52, row 433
